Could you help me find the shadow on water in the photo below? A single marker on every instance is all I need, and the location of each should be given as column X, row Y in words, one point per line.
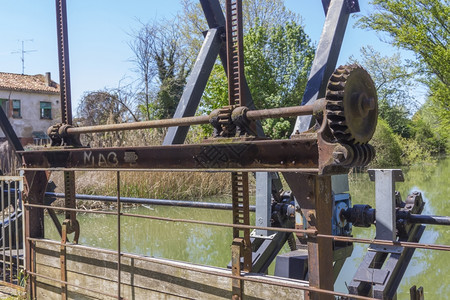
column 211, row 245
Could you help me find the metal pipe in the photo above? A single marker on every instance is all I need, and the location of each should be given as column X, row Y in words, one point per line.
column 118, row 238
column 141, row 125
column 425, row 219
column 179, row 203
column 198, row 120
column 292, row 111
column 113, row 213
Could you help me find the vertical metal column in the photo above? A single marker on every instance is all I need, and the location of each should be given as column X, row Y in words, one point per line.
column 235, row 52
column 320, row 250
column 241, row 214
column 66, row 109
column 239, row 180
column 263, row 202
column 34, row 191
column 385, row 202
column 241, row 246
column 63, row 54
column 119, row 254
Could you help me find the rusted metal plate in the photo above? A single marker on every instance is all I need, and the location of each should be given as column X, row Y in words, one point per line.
column 295, row 155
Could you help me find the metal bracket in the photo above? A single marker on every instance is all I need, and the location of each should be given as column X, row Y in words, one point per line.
column 385, row 205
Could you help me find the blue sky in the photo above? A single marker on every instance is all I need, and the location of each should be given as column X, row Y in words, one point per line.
column 98, row 36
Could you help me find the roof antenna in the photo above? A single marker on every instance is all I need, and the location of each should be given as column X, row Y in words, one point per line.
column 23, row 52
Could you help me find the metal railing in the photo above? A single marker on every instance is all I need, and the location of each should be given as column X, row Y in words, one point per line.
column 243, row 275
column 12, row 233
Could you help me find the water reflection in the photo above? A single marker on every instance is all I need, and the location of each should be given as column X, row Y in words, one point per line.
column 211, row 245
column 428, row 268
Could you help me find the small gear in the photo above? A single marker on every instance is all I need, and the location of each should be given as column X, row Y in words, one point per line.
column 351, row 108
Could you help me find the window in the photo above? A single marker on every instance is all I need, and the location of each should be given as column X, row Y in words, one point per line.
column 46, row 110
column 4, row 105
column 16, row 113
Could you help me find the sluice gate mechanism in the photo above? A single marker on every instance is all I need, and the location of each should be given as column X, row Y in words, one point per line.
column 335, row 124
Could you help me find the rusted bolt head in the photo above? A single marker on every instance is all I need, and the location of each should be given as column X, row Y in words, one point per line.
column 339, row 156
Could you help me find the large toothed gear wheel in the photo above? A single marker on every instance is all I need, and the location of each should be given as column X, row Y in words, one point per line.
column 352, row 105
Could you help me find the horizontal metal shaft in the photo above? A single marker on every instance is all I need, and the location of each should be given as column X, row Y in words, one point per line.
column 253, row 115
column 163, row 202
column 426, row 219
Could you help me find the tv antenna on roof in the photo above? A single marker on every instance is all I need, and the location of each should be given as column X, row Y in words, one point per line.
column 23, row 52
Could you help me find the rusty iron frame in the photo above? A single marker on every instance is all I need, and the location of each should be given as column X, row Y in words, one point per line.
column 310, row 155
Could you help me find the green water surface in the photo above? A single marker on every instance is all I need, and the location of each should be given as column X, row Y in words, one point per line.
column 211, row 245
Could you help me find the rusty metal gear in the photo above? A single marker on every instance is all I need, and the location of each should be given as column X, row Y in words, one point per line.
column 352, row 108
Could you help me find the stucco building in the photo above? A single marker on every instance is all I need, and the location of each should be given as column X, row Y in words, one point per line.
column 32, row 104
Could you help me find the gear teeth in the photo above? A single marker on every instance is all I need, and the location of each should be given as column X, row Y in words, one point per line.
column 336, row 85
column 335, row 113
column 335, row 106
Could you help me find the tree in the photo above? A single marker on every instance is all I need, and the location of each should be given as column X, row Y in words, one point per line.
column 277, row 62
column 256, row 13
column 422, row 27
column 104, row 107
column 161, row 63
column 394, row 82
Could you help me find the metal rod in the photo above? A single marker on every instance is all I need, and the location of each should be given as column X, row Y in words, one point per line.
column 186, row 267
column 311, row 232
column 293, row 111
column 164, row 202
column 118, row 235
column 3, row 230
column 16, row 227
column 197, row 120
column 141, row 125
column 427, row 219
column 175, row 220
column 11, row 275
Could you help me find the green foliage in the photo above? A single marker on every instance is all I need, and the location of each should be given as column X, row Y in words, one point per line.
column 388, row 150
column 256, row 13
column 393, row 150
column 277, row 61
column 396, row 116
column 427, row 130
column 417, row 25
column 422, row 27
column 393, row 81
column 439, row 107
column 413, row 152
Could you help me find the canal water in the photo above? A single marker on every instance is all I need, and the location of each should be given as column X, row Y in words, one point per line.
column 211, row 245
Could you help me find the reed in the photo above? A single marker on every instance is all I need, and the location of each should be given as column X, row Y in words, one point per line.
column 160, row 185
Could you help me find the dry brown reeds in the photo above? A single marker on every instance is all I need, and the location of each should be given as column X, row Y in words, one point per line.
column 162, row 185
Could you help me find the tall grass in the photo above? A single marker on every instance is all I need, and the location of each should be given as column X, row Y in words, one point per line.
column 161, row 185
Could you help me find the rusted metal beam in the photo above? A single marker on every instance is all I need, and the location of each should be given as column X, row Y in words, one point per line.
column 320, row 250
column 35, row 185
column 63, row 54
column 297, row 155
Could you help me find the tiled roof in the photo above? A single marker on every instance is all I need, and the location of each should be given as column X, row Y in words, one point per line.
column 31, row 83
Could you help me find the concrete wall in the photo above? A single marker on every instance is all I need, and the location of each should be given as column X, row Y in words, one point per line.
column 144, row 279
column 30, row 113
